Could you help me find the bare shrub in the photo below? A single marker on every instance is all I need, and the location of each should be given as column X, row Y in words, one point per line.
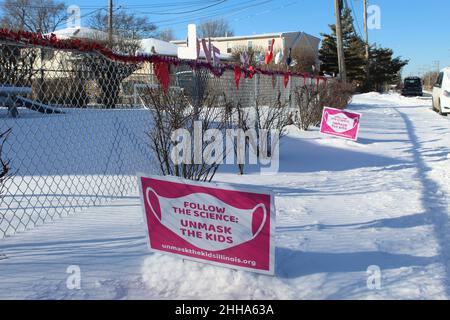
column 17, row 65
column 272, row 114
column 311, row 99
column 194, row 83
column 429, row 79
column 238, row 118
column 265, row 115
column 173, row 110
column 309, row 106
column 338, row 94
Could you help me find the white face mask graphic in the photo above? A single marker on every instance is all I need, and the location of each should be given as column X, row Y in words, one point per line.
column 215, row 235
column 340, row 122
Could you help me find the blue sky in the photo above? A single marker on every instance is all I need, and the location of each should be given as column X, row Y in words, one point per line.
column 416, row 30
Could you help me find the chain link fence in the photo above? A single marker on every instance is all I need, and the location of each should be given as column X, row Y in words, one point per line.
column 79, row 127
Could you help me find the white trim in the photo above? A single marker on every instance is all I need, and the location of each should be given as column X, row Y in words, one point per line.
column 256, row 36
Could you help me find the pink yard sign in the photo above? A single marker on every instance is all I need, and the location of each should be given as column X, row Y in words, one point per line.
column 339, row 123
column 218, row 224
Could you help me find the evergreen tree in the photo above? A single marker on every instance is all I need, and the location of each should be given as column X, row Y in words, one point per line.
column 354, row 51
column 384, row 69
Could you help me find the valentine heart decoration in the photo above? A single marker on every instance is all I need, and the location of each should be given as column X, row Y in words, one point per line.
column 237, row 76
column 250, row 72
column 286, row 79
column 289, row 58
column 161, row 70
column 269, row 54
column 278, row 57
column 259, row 57
column 160, row 63
column 245, row 59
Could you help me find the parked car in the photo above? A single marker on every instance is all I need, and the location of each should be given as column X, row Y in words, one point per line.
column 441, row 92
column 412, row 86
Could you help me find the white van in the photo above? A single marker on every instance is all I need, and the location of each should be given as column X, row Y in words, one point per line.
column 441, row 92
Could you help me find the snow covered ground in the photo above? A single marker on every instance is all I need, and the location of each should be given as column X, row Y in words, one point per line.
column 342, row 206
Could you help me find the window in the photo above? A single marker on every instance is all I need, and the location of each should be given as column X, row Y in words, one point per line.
column 413, row 82
column 270, row 45
column 228, row 50
column 439, row 80
column 250, row 45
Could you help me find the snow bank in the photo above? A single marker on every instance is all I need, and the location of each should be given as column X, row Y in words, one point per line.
column 169, row 277
column 161, row 47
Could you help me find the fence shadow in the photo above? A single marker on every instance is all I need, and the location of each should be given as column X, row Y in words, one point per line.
column 438, row 211
column 305, row 156
column 293, row 264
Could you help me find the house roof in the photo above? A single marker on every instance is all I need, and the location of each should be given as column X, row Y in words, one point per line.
column 160, row 47
column 169, row 49
column 81, row 33
column 254, row 36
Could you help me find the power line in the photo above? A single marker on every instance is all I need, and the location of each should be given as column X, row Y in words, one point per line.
column 189, row 11
column 173, row 4
column 270, row 10
column 219, row 12
column 84, row 15
column 214, row 10
column 170, row 4
column 355, row 18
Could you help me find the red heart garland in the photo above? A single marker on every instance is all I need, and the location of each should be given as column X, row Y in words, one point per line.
column 160, row 64
column 161, row 70
column 237, row 76
column 269, row 55
column 251, row 72
column 286, row 79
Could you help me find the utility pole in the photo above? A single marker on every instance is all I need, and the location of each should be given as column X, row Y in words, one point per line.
column 366, row 31
column 22, row 22
column 110, row 22
column 340, row 44
column 437, row 65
